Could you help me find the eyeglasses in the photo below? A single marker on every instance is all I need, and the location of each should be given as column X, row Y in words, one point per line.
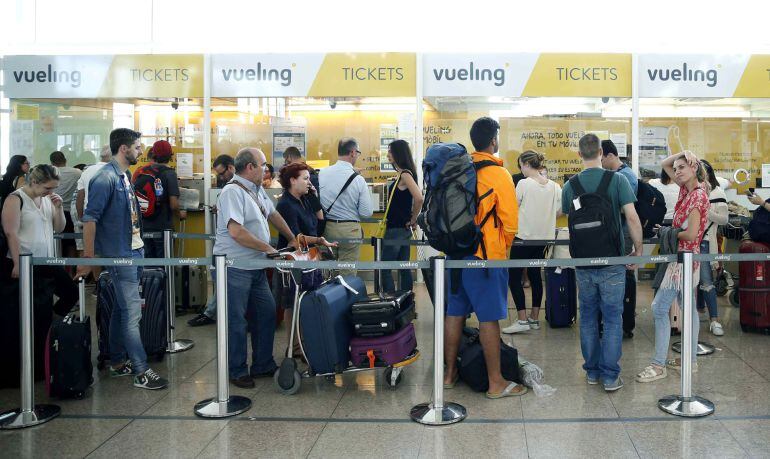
column 358, row 152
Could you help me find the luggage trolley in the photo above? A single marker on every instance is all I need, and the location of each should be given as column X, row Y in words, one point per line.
column 288, row 378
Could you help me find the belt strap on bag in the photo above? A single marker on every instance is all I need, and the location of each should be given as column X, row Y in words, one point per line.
column 346, row 285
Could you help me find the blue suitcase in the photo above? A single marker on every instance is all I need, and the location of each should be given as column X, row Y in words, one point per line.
column 325, row 323
column 560, row 297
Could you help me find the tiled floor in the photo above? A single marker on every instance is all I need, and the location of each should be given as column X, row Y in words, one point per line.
column 359, row 416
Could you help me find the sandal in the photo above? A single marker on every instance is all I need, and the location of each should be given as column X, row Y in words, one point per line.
column 676, row 364
column 513, row 390
column 650, row 374
column 453, row 383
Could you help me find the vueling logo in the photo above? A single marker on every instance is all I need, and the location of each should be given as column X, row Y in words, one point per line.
column 258, row 73
column 684, row 74
column 472, row 73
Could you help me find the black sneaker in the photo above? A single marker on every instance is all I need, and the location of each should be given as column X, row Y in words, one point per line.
column 628, row 334
column 244, row 382
column 201, row 319
column 150, row 380
column 123, row 370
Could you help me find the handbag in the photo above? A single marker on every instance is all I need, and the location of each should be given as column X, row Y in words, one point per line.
column 306, row 252
column 382, row 226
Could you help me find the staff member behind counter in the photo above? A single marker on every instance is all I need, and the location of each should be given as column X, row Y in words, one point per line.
column 346, row 200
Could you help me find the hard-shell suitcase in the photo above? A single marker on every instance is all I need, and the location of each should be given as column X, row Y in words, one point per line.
column 754, row 289
column 382, row 314
column 383, row 351
column 325, row 322
column 68, row 366
column 153, row 324
column 472, row 368
column 560, row 297
column 190, row 287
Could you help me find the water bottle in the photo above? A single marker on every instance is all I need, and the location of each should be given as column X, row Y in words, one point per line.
column 158, row 188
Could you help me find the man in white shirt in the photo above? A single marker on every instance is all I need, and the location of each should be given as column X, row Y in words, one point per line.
column 243, row 214
column 68, row 178
column 345, row 199
column 81, row 197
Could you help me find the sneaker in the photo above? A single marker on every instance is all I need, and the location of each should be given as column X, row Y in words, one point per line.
column 150, row 380
column 201, row 319
column 676, row 364
column 592, row 381
column 533, row 324
column 614, row 385
column 716, row 329
column 123, row 370
column 628, row 334
column 651, row 373
column 517, row 327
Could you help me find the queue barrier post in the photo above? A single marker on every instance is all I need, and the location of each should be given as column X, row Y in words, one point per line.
column 28, row 414
column 377, row 244
column 686, row 404
column 438, row 412
column 174, row 345
column 223, row 405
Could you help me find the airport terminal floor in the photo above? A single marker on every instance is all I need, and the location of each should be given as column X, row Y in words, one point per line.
column 358, row 415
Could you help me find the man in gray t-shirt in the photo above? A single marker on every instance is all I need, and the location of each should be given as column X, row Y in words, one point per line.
column 68, row 183
column 243, row 234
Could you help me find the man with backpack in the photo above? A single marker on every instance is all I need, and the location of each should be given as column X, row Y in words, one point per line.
column 492, row 199
column 157, row 189
column 611, row 161
column 593, row 200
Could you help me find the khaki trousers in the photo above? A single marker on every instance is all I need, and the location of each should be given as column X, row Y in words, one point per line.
column 345, row 252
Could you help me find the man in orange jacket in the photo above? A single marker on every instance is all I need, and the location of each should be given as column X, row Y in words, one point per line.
column 485, row 291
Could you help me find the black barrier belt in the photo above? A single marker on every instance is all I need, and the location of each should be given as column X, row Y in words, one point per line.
column 398, row 265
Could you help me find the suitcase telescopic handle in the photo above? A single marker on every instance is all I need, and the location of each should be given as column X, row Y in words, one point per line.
column 82, row 298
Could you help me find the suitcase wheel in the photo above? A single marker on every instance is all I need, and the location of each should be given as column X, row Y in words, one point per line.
column 721, row 286
column 287, row 384
column 744, row 328
column 392, row 376
column 734, row 298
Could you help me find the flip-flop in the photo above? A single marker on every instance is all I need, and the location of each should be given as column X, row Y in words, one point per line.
column 453, row 383
column 508, row 392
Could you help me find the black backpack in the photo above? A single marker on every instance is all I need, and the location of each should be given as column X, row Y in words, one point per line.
column 759, row 227
column 593, row 228
column 472, row 367
column 651, row 207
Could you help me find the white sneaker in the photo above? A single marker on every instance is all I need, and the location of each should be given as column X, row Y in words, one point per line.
column 517, row 327
column 716, row 329
column 533, row 324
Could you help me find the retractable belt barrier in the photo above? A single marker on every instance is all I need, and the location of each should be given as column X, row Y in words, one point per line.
column 436, row 412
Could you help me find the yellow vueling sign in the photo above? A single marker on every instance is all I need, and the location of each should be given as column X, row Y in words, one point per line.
column 368, row 74
column 580, row 75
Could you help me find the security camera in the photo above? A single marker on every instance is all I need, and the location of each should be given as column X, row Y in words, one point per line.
column 175, row 104
column 605, row 99
column 332, row 104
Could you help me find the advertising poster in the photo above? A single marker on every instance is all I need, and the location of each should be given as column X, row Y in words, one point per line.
column 184, row 164
column 285, row 135
column 620, row 141
column 388, row 133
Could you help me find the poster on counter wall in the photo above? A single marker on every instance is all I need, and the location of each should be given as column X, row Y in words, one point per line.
column 653, row 147
column 22, row 137
column 287, row 135
column 184, row 164
column 620, row 140
column 388, row 133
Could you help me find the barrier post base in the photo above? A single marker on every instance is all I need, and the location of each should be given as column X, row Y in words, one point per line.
column 703, row 348
column 688, row 407
column 18, row 419
column 179, row 345
column 451, row 413
column 213, row 408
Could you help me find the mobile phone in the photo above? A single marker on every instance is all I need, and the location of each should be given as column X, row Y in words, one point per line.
column 750, row 192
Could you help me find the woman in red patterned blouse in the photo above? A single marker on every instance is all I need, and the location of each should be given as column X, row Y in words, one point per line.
column 690, row 216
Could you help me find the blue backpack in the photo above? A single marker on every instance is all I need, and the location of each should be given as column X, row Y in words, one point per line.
column 449, row 211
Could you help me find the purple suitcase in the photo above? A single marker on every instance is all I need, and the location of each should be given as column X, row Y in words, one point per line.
column 387, row 350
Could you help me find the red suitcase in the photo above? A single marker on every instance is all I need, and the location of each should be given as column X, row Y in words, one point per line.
column 381, row 351
column 754, row 289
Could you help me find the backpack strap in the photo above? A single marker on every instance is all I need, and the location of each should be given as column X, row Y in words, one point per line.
column 604, row 184
column 577, row 187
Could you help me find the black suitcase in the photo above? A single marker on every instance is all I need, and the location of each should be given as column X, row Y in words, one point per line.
column 153, row 325
column 560, row 297
column 382, row 314
column 68, row 366
column 472, row 368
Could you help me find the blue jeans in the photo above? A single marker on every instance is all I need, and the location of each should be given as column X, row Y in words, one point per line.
column 125, row 339
column 396, row 253
column 660, row 309
column 250, row 308
column 707, row 293
column 601, row 290
column 211, row 306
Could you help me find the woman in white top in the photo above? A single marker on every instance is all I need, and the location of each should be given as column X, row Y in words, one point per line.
column 717, row 215
column 670, row 191
column 30, row 216
column 539, row 205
